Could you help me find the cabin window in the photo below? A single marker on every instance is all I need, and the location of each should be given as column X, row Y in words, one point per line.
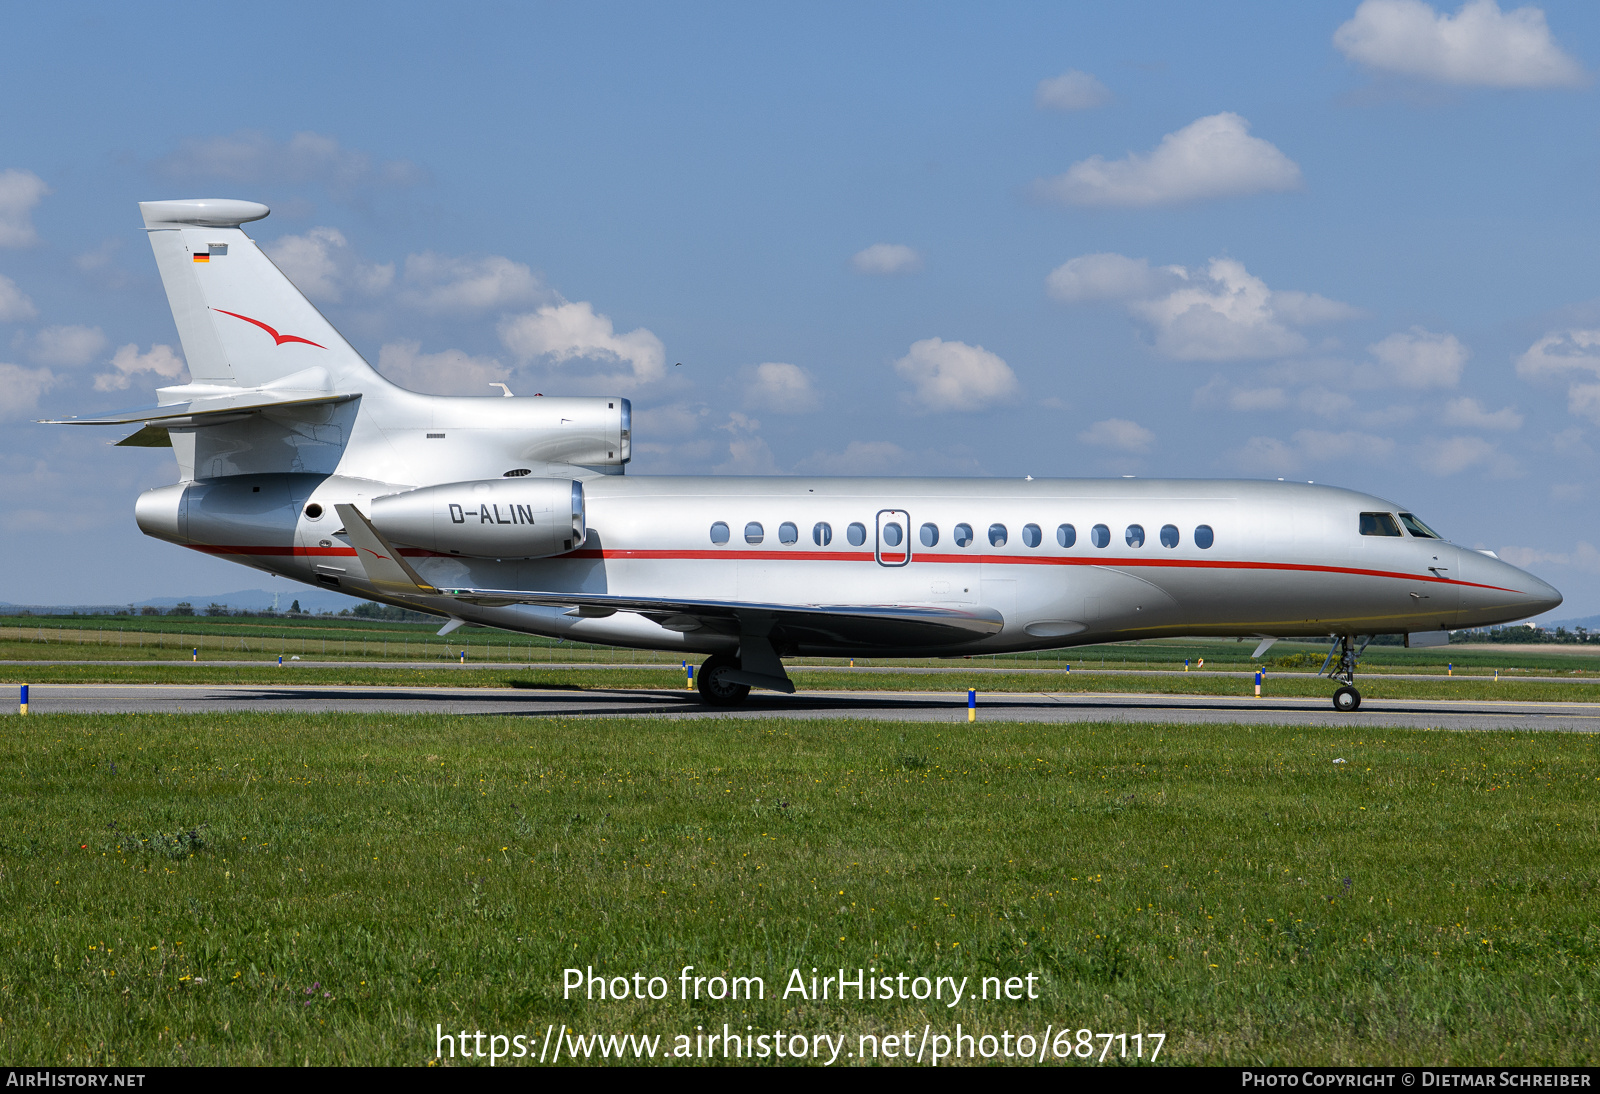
column 929, row 533
column 1379, row 524
column 1203, row 537
column 753, row 532
column 856, row 534
column 788, row 533
column 1100, row 535
column 1066, row 535
column 963, row 534
column 822, row 534
column 1032, row 536
column 1134, row 535
column 719, row 532
column 997, row 535
column 892, row 535
column 1417, row 528
column 1169, row 535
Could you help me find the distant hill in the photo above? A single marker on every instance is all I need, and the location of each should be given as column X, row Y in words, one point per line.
column 1589, row 622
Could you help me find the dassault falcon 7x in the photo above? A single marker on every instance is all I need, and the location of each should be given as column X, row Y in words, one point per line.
column 297, row 458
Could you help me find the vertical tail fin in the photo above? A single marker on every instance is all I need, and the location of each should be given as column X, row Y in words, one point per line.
column 241, row 321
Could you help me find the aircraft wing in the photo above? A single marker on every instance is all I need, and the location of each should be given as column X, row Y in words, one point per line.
column 888, row 625
column 866, row 625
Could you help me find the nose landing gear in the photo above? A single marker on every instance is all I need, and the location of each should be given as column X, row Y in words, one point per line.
column 1345, row 698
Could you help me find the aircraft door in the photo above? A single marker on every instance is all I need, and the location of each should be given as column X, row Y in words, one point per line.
column 893, row 547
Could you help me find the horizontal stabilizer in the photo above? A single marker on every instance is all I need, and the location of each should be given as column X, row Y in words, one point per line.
column 212, row 406
column 887, row 625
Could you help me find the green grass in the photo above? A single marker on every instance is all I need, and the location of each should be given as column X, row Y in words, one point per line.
column 246, row 888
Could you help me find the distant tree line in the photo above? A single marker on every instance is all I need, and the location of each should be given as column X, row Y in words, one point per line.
column 367, row 610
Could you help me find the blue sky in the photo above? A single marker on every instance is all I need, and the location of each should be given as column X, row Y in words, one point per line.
column 1345, row 242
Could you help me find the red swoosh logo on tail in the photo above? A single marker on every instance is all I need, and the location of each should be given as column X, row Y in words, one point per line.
column 280, row 339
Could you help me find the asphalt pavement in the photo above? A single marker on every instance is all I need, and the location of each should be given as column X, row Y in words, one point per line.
column 943, row 706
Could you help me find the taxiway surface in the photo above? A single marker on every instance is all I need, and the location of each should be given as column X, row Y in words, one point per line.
column 542, row 702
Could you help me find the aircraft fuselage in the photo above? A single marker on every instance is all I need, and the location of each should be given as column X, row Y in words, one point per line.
column 1062, row 561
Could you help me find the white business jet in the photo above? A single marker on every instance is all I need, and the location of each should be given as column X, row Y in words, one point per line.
column 296, row 458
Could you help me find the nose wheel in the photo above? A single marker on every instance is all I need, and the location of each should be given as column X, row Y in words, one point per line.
column 1341, row 666
column 1346, row 699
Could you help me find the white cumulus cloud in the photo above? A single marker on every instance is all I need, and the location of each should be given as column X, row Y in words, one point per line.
column 1416, row 359
column 324, row 266
column 1469, row 414
column 442, row 284
column 1560, row 353
column 127, row 362
column 570, row 331
column 1478, row 45
column 748, row 453
column 23, row 386
column 887, row 258
column 781, row 388
column 1218, row 313
column 1118, row 434
column 1110, row 277
column 1271, row 456
column 448, row 372
column 1213, row 157
column 955, row 376
column 20, row 191
column 1452, row 455
column 1569, row 355
column 1072, row 90
column 14, row 303
column 1583, row 556
column 67, row 346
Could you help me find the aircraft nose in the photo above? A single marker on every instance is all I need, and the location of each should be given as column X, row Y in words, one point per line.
column 1542, row 597
column 1524, row 594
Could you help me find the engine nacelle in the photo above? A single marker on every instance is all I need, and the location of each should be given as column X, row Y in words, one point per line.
column 489, row 518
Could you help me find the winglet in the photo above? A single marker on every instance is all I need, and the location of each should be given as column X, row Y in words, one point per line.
column 383, row 564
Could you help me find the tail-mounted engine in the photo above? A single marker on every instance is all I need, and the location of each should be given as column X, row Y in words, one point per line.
column 490, row 518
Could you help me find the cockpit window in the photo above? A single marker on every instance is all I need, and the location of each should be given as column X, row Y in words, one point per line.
column 1417, row 528
column 1379, row 524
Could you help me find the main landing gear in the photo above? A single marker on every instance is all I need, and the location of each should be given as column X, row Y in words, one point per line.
column 715, row 687
column 1345, row 698
column 726, row 681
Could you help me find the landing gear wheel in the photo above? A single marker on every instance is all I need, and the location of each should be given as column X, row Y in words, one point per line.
column 1346, row 699
column 714, row 689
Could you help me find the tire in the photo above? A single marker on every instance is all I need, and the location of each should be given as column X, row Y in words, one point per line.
column 1346, row 699
column 714, row 690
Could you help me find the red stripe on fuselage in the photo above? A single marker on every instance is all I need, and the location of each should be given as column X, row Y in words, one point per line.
column 867, row 556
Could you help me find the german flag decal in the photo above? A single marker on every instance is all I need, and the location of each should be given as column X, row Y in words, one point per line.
column 203, row 257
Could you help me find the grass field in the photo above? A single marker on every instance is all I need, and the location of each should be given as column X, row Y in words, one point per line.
column 276, row 889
